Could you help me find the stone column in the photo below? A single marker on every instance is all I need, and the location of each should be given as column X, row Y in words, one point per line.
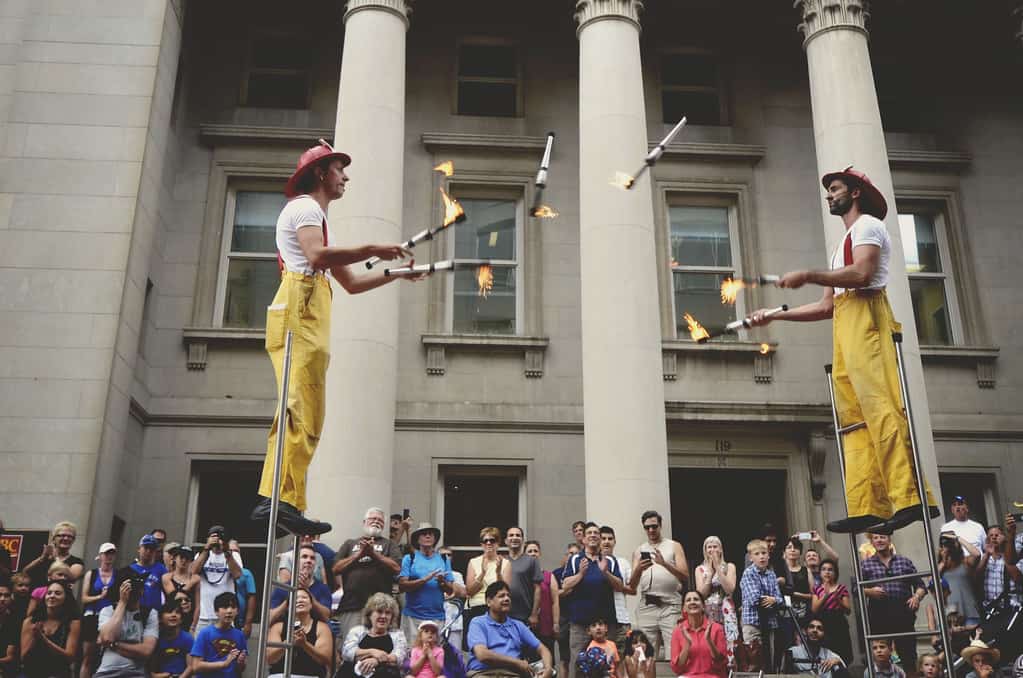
column 623, row 387
column 847, row 131
column 353, row 465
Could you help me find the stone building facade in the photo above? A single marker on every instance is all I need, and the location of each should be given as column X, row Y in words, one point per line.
column 144, row 145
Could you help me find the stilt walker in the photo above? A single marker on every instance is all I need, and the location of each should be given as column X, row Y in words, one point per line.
column 302, row 306
column 881, row 479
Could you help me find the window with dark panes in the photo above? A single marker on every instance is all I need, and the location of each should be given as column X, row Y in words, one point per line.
column 930, row 283
column 475, row 498
column 701, row 243
column 227, row 491
column 251, row 274
column 488, row 80
column 278, row 73
column 691, row 87
column 485, row 298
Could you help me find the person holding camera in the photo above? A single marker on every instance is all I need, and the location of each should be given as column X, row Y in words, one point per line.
column 761, row 604
column 217, row 574
column 661, row 572
column 997, row 570
column 959, row 571
column 127, row 631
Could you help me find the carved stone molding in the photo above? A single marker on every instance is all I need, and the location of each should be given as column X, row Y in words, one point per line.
column 817, row 16
column 532, row 349
column 817, row 453
column 587, row 11
column 401, row 8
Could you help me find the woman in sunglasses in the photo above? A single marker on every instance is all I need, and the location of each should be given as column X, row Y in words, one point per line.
column 482, row 571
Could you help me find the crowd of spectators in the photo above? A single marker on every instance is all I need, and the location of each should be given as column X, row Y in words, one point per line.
column 389, row 603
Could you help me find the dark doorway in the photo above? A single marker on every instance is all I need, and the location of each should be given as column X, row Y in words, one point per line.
column 972, row 487
column 730, row 503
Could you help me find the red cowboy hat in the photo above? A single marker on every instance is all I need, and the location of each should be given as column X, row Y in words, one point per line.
column 308, row 159
column 871, row 200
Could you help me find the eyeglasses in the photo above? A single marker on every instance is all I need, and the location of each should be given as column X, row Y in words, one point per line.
column 489, row 540
column 65, row 536
column 651, row 526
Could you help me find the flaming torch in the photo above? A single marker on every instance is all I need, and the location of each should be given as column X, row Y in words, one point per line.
column 730, row 287
column 734, row 326
column 696, row 330
column 626, row 181
column 410, row 271
column 540, row 210
column 485, row 279
column 453, row 214
column 447, row 168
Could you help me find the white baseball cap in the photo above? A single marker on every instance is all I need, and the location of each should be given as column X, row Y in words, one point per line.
column 105, row 547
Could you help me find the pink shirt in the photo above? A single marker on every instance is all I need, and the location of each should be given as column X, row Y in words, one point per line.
column 427, row 670
column 701, row 663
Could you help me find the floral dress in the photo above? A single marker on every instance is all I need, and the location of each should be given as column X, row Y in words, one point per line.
column 721, row 608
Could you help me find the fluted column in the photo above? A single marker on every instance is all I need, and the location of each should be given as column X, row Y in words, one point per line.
column 847, row 131
column 623, row 388
column 353, row 466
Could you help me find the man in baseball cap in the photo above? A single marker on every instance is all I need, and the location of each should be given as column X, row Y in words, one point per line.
column 302, row 305
column 881, row 491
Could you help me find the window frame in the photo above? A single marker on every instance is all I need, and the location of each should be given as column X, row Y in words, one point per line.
column 248, row 69
column 942, row 208
column 461, row 191
column 719, row 89
column 457, row 78
column 227, row 234
column 499, row 468
column 693, row 199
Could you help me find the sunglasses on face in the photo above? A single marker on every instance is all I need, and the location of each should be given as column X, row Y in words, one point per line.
column 489, row 540
column 652, row 526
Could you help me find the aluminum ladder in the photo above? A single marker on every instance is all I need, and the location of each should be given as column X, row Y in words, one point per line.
column 270, row 581
column 860, row 583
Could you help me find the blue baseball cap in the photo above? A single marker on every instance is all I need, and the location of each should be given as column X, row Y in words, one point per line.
column 149, row 540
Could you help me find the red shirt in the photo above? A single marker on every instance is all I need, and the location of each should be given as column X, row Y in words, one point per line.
column 701, row 663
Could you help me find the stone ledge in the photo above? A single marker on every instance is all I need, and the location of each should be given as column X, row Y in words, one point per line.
column 198, row 339
column 532, row 349
column 696, row 150
column 763, row 363
column 933, row 160
column 439, row 140
column 982, row 357
column 234, row 133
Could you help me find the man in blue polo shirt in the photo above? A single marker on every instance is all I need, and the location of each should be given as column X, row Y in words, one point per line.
column 496, row 640
column 151, row 570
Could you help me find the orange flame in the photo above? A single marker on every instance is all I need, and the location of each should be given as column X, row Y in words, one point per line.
column 696, row 330
column 452, row 210
column 674, row 264
column 765, row 349
column 623, row 181
column 545, row 212
column 485, row 279
column 730, row 289
column 447, row 167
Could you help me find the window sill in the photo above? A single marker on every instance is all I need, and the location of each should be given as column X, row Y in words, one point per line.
column 982, row 357
column 763, row 363
column 198, row 339
column 532, row 349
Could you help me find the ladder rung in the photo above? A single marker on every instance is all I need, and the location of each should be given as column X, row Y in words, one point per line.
column 895, row 578
column 852, row 427
column 903, row 634
column 278, row 643
column 285, row 586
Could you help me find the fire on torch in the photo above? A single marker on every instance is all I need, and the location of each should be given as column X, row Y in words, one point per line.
column 453, row 214
column 539, row 209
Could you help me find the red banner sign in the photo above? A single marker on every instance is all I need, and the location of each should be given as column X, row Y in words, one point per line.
column 13, row 543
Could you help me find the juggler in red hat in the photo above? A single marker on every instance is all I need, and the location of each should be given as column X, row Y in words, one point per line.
column 871, row 200
column 308, row 160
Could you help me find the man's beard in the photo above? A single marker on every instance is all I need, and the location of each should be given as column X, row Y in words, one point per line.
column 840, row 207
column 372, row 531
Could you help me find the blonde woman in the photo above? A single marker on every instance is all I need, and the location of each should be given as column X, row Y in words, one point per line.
column 482, row 571
column 376, row 646
column 716, row 580
column 57, row 550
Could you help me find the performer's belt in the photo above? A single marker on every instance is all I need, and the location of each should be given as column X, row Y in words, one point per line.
column 864, row 291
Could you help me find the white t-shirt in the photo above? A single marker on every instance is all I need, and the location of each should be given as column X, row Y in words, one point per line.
column 621, row 608
column 215, row 579
column 299, row 213
column 866, row 230
column 970, row 530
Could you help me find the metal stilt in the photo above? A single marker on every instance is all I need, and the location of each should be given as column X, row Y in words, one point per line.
column 270, row 580
column 932, row 559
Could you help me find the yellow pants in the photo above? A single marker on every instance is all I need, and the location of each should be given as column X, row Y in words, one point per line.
column 302, row 305
column 879, row 474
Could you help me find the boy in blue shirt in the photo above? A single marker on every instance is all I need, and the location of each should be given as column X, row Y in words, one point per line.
column 220, row 650
column 171, row 658
column 761, row 600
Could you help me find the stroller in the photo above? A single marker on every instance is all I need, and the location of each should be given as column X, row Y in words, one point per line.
column 454, row 664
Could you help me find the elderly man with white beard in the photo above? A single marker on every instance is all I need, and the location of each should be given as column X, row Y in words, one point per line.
column 367, row 565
